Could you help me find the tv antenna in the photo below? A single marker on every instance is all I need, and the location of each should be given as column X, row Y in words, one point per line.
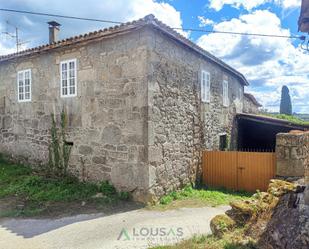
column 14, row 35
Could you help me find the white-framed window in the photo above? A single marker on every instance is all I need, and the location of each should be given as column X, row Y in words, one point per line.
column 225, row 93
column 68, row 78
column 205, row 86
column 24, row 85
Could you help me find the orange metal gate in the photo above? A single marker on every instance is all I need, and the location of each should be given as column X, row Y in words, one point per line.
column 238, row 170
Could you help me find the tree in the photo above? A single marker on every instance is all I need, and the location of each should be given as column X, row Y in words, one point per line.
column 285, row 104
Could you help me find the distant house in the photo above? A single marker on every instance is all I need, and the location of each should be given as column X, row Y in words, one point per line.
column 142, row 101
column 303, row 21
column 251, row 105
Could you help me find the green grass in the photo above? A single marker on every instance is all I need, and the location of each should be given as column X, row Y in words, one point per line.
column 291, row 118
column 211, row 242
column 22, row 183
column 210, row 196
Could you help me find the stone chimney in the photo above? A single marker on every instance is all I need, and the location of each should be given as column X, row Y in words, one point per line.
column 54, row 29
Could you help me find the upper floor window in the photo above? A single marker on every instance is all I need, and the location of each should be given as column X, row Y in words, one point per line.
column 68, row 78
column 24, row 85
column 225, row 93
column 205, row 87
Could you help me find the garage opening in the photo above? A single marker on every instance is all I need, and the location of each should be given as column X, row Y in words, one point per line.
column 258, row 133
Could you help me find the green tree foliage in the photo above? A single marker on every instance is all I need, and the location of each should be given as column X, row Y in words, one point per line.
column 285, row 104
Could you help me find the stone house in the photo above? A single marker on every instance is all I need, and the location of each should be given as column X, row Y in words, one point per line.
column 251, row 105
column 142, row 101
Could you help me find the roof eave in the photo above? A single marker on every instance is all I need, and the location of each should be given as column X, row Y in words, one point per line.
column 176, row 36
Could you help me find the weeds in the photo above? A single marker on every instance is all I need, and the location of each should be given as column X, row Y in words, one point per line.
column 59, row 149
column 210, row 196
column 38, row 191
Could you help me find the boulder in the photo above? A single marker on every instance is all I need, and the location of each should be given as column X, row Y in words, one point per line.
column 288, row 227
column 276, row 219
column 279, row 187
column 221, row 224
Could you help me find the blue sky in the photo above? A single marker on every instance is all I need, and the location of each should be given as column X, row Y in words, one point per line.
column 268, row 63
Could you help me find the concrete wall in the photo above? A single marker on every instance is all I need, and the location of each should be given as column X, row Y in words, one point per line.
column 179, row 124
column 107, row 118
column 292, row 150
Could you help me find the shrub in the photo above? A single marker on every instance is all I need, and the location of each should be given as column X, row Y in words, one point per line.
column 107, row 189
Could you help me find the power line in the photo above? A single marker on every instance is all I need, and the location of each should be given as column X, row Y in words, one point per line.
column 176, row 28
column 239, row 33
column 61, row 16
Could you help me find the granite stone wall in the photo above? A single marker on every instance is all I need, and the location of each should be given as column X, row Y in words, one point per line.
column 180, row 125
column 107, row 118
column 250, row 107
column 292, row 150
column 137, row 120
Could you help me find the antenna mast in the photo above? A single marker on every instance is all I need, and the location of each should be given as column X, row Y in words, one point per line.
column 16, row 36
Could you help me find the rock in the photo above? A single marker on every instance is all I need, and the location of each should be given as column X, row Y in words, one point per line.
column 277, row 219
column 288, row 227
column 241, row 211
column 221, row 224
column 99, row 159
column 85, row 150
column 279, row 187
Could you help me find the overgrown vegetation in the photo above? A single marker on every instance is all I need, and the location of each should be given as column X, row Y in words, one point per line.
column 36, row 191
column 292, row 119
column 59, row 149
column 206, row 197
column 211, row 242
column 246, row 224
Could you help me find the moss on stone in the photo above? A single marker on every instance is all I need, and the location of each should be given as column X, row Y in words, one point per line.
column 221, row 224
column 279, row 187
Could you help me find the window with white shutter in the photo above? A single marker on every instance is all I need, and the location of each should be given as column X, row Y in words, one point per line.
column 205, row 87
column 24, row 85
column 225, row 93
column 68, row 78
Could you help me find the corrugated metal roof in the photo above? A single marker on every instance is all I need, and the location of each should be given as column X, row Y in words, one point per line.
column 148, row 20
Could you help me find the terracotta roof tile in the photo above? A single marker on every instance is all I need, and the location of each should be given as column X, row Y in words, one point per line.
column 147, row 20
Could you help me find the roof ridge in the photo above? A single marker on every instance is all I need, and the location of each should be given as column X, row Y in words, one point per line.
column 148, row 19
column 76, row 37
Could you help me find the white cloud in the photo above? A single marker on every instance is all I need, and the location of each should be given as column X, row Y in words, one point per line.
column 6, row 44
column 251, row 4
column 247, row 4
column 205, row 21
column 268, row 63
column 34, row 28
column 288, row 4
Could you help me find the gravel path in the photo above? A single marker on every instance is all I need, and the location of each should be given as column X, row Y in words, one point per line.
column 134, row 229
